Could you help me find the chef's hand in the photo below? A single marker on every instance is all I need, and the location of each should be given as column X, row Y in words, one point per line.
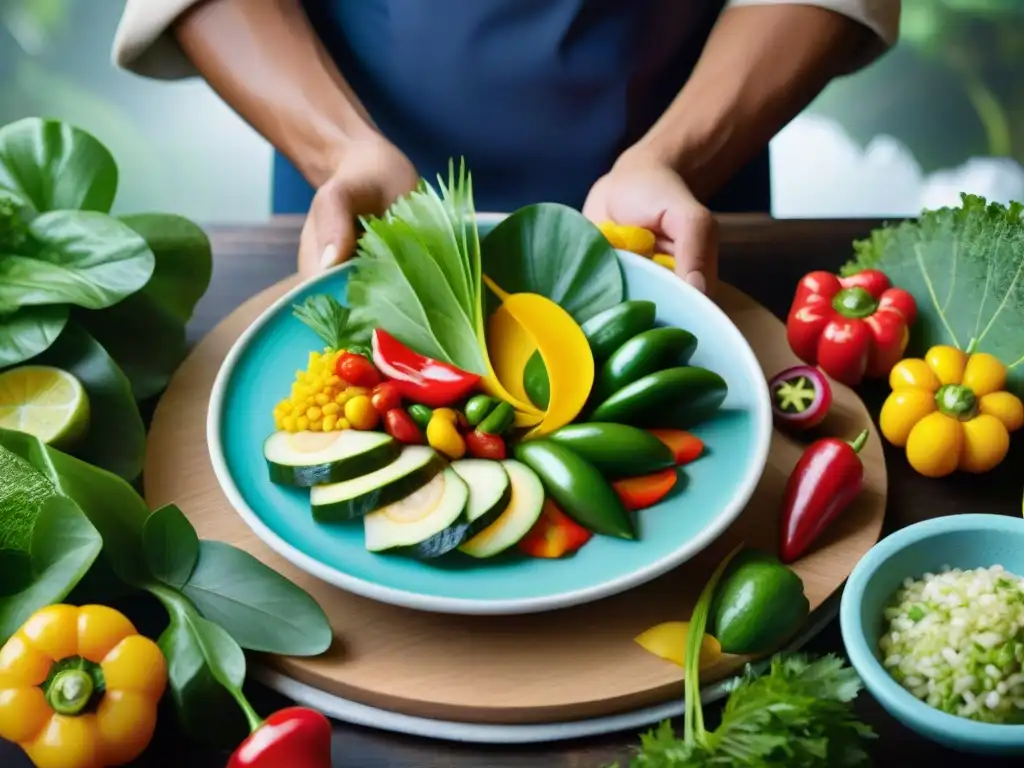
column 644, row 191
column 371, row 174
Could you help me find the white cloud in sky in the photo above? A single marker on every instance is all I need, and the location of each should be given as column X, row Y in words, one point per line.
column 818, row 171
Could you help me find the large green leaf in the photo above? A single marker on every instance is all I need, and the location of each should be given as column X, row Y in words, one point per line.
column 111, row 504
column 64, row 546
column 554, row 250
column 88, row 259
column 116, row 438
column 172, row 546
column 965, row 269
column 145, row 333
column 23, row 488
column 259, row 607
column 28, row 331
column 56, row 166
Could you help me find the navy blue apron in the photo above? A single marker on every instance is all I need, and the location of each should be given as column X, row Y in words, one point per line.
column 540, row 96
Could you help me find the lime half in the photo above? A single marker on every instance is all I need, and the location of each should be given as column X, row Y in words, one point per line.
column 46, row 402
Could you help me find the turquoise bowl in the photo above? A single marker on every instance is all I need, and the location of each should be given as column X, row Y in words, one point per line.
column 258, row 372
column 960, row 541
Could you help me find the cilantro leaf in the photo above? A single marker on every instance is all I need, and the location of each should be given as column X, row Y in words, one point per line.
column 333, row 323
column 965, row 268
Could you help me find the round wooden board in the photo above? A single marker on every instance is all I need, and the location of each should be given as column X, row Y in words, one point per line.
column 555, row 666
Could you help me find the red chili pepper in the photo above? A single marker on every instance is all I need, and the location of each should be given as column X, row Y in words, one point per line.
column 554, row 534
column 646, row 490
column 484, row 446
column 386, row 396
column 852, row 327
column 420, row 379
column 824, row 482
column 400, row 426
column 295, row 737
column 684, row 446
column 356, row 370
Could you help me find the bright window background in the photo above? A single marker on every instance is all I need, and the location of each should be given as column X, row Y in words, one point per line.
column 941, row 114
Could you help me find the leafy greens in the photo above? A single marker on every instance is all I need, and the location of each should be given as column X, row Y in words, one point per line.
column 333, row 323
column 965, row 268
column 417, row 273
column 78, row 284
column 796, row 716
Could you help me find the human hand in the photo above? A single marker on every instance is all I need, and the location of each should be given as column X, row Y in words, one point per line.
column 371, row 175
column 644, row 191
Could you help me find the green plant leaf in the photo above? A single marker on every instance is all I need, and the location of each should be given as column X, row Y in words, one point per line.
column 554, row 250
column 261, row 609
column 116, row 438
column 28, row 331
column 203, row 664
column 172, row 545
column 110, row 503
column 56, row 166
column 965, row 268
column 23, row 488
column 64, row 546
column 88, row 259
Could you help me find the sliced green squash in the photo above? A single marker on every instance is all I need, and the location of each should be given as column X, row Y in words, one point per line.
column 305, row 459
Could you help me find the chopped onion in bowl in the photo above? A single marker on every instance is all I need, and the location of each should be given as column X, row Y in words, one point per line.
column 954, row 640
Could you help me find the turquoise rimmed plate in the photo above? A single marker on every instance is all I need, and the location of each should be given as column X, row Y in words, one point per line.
column 259, row 370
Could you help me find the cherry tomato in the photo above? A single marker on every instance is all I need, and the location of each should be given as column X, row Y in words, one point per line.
column 484, row 446
column 400, row 426
column 357, row 370
column 385, row 397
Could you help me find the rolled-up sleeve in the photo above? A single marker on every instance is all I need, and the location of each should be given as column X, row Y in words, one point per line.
column 882, row 17
column 144, row 42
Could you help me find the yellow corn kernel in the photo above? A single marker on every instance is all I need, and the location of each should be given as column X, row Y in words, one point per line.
column 334, row 380
column 356, row 391
column 331, row 409
column 321, row 399
column 314, row 413
column 316, row 425
column 342, row 398
column 288, row 424
column 329, row 422
column 302, row 423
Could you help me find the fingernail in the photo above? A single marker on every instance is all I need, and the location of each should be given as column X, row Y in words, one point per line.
column 330, row 256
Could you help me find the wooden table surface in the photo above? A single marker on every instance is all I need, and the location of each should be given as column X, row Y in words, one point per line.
column 762, row 257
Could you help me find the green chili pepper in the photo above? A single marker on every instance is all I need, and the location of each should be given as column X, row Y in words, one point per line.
column 498, row 420
column 477, row 409
column 420, row 414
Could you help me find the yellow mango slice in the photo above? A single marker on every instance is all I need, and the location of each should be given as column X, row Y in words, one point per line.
column 562, row 345
column 668, row 641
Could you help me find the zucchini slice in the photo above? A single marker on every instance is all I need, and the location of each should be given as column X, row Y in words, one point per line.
column 305, row 459
column 427, row 523
column 490, row 491
column 415, row 467
column 519, row 517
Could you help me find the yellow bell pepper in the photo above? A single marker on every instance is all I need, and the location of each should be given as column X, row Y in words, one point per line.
column 950, row 411
column 79, row 688
column 626, row 237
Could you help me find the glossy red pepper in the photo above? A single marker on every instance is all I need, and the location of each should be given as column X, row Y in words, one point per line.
column 420, row 379
column 851, row 327
column 554, row 534
column 824, row 482
column 295, row 737
column 400, row 426
column 646, row 490
column 481, row 445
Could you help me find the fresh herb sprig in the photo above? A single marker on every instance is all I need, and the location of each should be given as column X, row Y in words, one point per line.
column 798, row 715
column 333, row 323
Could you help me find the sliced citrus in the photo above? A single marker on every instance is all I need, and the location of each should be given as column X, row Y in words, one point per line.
column 46, row 402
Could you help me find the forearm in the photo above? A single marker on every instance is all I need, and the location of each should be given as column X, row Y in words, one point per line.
column 268, row 64
column 761, row 66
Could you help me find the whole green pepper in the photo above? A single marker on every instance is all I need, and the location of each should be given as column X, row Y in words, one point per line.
column 477, row 408
column 759, row 604
column 498, row 420
column 420, row 414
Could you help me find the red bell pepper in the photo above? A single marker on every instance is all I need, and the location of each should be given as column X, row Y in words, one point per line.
column 420, row 379
column 852, row 327
column 824, row 482
column 646, row 490
column 295, row 737
column 684, row 446
column 554, row 534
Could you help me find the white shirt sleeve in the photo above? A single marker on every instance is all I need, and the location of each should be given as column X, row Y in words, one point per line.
column 144, row 44
column 880, row 16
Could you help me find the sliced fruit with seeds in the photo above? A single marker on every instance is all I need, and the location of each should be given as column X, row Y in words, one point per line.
column 45, row 402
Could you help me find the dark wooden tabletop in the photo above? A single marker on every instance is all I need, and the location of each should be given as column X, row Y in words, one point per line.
column 765, row 259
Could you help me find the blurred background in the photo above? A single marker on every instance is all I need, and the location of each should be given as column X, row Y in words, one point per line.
column 941, row 114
